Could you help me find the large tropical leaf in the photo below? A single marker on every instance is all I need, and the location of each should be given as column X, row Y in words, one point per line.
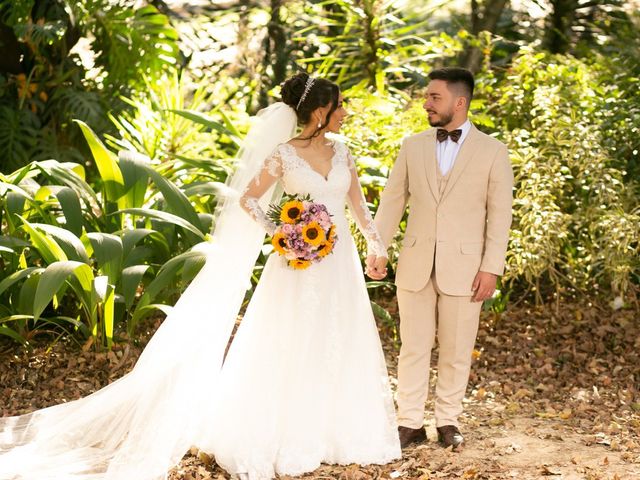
column 208, row 122
column 18, row 136
column 53, row 278
column 166, row 217
column 131, row 277
column 8, row 332
column 135, row 43
column 204, row 188
column 106, row 162
column 177, row 201
column 70, row 204
column 143, row 254
column 16, row 277
column 14, row 207
column 47, row 247
column 136, row 179
column 69, row 175
column 167, row 275
column 72, row 245
column 107, row 250
column 130, row 240
column 108, row 314
column 27, row 294
column 13, row 243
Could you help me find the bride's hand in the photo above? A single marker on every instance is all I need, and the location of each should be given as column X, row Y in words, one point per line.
column 376, row 267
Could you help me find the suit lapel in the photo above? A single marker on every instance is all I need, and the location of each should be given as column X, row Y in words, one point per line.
column 465, row 155
column 429, row 145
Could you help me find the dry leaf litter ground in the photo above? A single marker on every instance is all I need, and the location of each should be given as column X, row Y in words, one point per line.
column 552, row 395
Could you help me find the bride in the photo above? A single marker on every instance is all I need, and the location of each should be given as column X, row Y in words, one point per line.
column 304, row 381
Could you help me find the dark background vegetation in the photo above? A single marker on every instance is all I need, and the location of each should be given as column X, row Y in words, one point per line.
column 91, row 243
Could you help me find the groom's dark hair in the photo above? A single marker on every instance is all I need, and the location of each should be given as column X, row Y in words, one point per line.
column 460, row 78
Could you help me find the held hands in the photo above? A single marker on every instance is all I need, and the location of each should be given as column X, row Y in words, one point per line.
column 483, row 286
column 376, row 267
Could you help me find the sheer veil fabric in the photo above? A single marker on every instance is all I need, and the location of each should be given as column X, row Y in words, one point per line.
column 141, row 425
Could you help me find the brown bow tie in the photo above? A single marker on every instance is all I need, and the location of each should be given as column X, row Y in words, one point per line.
column 442, row 134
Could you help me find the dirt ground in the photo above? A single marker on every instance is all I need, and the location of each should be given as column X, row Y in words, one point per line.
column 552, row 395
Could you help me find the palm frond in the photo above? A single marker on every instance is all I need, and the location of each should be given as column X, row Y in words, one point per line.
column 18, row 137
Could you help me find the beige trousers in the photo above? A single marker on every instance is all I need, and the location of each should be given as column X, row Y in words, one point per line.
column 456, row 320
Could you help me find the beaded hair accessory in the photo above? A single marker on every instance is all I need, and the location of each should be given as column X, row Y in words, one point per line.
column 307, row 87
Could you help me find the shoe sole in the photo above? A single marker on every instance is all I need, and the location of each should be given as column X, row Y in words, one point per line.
column 454, row 448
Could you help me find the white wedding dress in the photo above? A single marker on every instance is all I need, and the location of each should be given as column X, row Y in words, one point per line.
column 304, row 382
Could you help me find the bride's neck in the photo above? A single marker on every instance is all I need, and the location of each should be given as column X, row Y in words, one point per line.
column 318, row 141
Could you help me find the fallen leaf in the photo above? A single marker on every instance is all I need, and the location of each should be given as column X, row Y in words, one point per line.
column 565, row 414
column 548, row 470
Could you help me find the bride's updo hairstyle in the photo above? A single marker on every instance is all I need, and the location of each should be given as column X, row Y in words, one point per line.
column 321, row 93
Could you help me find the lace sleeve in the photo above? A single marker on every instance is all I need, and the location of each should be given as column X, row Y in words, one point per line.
column 270, row 172
column 361, row 214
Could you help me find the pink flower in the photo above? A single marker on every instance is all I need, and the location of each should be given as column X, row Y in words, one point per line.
column 287, row 228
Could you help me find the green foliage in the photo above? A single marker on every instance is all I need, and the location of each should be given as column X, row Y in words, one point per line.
column 18, row 135
column 101, row 237
column 165, row 122
column 376, row 125
column 134, row 43
column 376, row 42
column 575, row 227
column 69, row 258
column 71, row 60
column 620, row 60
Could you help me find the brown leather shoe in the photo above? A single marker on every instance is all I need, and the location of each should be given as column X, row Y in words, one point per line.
column 409, row 436
column 449, row 435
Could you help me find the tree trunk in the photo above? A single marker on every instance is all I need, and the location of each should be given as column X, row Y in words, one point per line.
column 372, row 36
column 484, row 18
column 11, row 51
column 559, row 23
column 276, row 56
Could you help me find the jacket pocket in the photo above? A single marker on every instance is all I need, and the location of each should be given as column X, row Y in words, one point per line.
column 471, row 248
column 408, row 241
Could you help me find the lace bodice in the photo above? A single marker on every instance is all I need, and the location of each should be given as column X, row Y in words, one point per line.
column 298, row 177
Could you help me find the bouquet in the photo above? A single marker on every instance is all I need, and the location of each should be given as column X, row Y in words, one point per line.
column 304, row 231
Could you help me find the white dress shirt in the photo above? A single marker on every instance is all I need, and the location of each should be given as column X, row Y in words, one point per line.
column 447, row 151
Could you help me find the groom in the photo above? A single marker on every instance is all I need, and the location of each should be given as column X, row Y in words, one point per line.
column 458, row 184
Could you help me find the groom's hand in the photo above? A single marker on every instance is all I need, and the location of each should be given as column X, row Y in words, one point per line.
column 483, row 286
column 376, row 267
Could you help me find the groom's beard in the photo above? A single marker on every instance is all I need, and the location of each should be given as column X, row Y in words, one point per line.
column 441, row 120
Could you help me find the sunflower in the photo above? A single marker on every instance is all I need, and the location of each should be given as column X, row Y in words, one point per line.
column 313, row 234
column 332, row 233
column 279, row 242
column 291, row 211
column 299, row 264
column 325, row 248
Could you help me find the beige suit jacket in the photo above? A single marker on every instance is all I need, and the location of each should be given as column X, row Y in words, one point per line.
column 461, row 232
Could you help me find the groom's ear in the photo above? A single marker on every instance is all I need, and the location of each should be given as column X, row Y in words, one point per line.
column 462, row 103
